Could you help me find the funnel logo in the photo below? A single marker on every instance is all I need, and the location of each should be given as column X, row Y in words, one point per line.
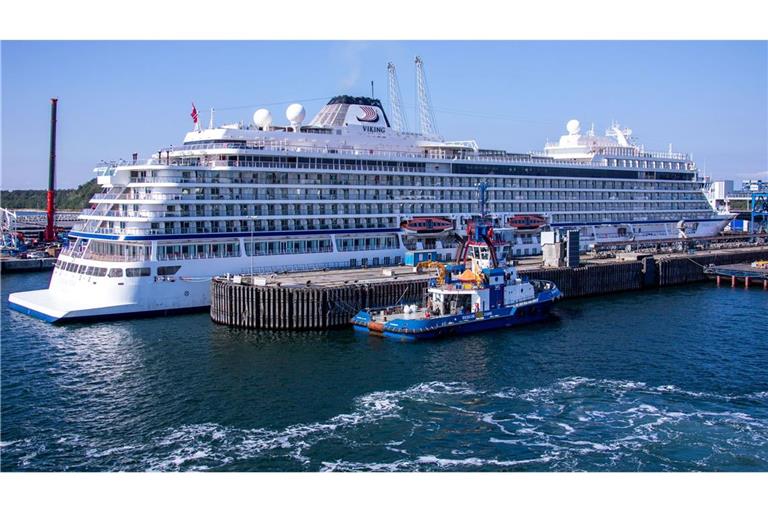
column 369, row 115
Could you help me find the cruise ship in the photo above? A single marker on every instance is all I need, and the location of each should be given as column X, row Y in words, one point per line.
column 341, row 191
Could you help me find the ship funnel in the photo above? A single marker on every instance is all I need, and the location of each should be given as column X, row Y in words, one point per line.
column 352, row 110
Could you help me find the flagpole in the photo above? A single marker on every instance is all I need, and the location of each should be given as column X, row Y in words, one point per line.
column 195, row 117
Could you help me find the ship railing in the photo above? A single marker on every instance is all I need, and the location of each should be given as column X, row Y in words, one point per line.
column 90, row 255
column 213, row 230
column 147, row 214
column 187, row 151
column 227, row 216
column 197, row 256
column 667, row 155
column 298, row 267
column 103, row 196
column 70, row 252
column 287, row 252
column 226, row 164
column 114, row 257
column 310, row 197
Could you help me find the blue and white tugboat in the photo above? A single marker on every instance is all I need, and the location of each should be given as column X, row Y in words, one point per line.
column 480, row 292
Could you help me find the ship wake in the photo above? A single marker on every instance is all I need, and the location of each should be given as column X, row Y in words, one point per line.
column 573, row 424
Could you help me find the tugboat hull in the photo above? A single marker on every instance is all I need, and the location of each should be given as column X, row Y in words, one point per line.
column 430, row 328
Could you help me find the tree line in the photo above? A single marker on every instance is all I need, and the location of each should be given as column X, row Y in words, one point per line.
column 66, row 199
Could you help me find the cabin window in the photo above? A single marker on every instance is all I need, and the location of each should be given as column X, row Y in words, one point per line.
column 168, row 271
column 137, row 272
column 115, row 272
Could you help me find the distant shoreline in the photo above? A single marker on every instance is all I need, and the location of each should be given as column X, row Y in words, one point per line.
column 73, row 199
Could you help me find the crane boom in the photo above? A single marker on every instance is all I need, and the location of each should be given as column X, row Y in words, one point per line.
column 426, row 116
column 399, row 121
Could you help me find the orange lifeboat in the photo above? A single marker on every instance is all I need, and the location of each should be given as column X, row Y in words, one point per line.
column 427, row 226
column 526, row 221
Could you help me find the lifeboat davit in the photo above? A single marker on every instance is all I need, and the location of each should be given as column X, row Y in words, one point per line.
column 527, row 221
column 427, row 226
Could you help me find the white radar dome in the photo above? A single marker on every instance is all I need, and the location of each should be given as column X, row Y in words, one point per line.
column 262, row 118
column 295, row 113
column 573, row 127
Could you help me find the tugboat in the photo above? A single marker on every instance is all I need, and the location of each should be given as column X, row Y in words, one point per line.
column 477, row 293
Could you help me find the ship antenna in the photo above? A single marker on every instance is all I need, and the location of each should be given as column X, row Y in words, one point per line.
column 427, row 124
column 400, row 123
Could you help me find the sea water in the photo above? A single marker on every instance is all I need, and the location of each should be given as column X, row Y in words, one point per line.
column 667, row 380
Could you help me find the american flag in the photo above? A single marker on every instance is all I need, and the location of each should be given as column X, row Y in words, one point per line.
column 194, row 113
column 369, row 114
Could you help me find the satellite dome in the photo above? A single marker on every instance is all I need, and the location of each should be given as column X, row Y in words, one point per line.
column 295, row 113
column 262, row 118
column 573, row 127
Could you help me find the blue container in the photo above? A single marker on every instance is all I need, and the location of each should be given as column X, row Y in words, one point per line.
column 413, row 258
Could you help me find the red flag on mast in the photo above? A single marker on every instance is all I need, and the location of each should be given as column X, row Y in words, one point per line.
column 194, row 113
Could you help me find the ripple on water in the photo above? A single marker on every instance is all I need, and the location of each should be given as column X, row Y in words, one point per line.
column 608, row 424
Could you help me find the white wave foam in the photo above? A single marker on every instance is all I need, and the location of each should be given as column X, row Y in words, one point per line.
column 625, row 420
column 6, row 444
column 476, row 461
column 96, row 453
column 425, row 461
column 210, row 441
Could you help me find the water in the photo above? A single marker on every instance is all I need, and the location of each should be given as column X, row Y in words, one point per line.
column 674, row 380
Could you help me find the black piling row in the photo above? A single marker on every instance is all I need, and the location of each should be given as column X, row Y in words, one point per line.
column 593, row 279
column 673, row 271
column 297, row 308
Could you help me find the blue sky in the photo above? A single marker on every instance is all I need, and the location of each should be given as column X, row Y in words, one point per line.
column 709, row 98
